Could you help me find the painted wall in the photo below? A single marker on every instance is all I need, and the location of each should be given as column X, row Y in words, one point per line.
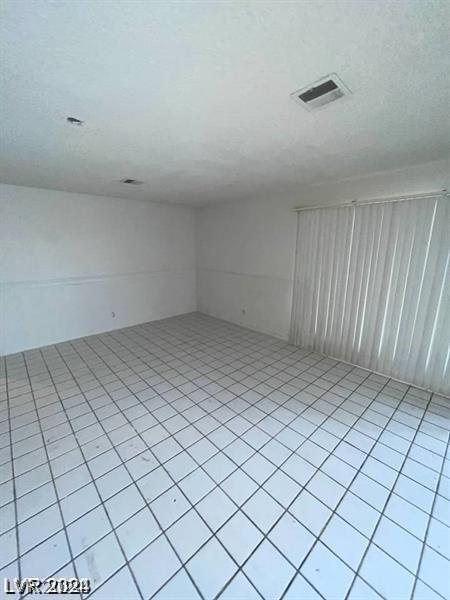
column 245, row 250
column 68, row 261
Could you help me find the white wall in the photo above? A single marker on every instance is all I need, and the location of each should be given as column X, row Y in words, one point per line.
column 245, row 261
column 67, row 261
column 245, row 250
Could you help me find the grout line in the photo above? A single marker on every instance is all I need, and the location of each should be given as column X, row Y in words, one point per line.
column 119, row 410
column 94, row 481
column 382, row 513
column 55, row 492
column 430, row 516
column 16, row 560
column 392, row 415
column 133, row 393
column 259, row 486
column 163, row 532
column 333, row 510
column 112, row 339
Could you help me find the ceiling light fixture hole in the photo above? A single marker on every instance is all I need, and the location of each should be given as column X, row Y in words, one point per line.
column 75, row 121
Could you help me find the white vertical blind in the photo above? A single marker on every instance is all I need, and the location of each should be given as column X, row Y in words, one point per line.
column 372, row 287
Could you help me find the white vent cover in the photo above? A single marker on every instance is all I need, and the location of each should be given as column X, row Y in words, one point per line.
column 322, row 92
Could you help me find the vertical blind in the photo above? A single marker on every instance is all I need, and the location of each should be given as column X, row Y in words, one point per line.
column 371, row 287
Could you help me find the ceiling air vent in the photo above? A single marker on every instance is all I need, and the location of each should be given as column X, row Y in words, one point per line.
column 132, row 181
column 322, row 92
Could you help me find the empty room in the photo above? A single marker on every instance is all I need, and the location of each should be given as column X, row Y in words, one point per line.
column 225, row 299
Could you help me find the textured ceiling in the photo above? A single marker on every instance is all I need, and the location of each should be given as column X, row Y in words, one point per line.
column 193, row 97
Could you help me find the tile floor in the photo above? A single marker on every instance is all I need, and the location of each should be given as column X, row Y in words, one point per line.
column 192, row 458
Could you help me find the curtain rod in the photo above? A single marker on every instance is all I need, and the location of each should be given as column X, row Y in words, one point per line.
column 375, row 201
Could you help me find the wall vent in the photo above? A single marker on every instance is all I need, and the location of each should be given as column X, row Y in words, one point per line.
column 322, row 92
column 132, row 181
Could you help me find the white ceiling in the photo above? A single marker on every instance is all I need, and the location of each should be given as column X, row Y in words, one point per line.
column 193, row 97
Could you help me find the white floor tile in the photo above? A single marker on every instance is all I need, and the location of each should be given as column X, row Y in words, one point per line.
column 86, row 530
column 312, row 453
column 169, row 507
column 398, row 543
column 103, row 463
column 275, row 452
column 239, row 587
column 261, row 567
column 327, row 573
column 166, row 449
column 360, row 590
column 311, row 513
column 124, row 504
column 372, row 492
column 358, row 513
column 240, row 537
column 35, row 501
column 46, row 558
column 211, row 568
column 197, row 485
column 424, row 592
column 8, row 547
column 252, row 411
column 339, row 470
column 9, row 572
column 434, row 571
column 262, row 510
column 7, row 517
column 301, row 589
column 415, row 493
column 407, row 516
column 396, row 581
column 239, row 486
column 282, row 488
column 113, row 482
column 137, row 532
column 180, row 465
column 438, row 538
column 188, row 534
column 30, row 480
column 154, row 566
column 40, row 527
column 292, row 538
column 216, row 508
column 379, row 472
column 79, row 503
column 219, row 467
column 180, row 587
column 258, row 468
column 72, row 481
column 119, row 586
column 299, row 469
column 345, row 541
column 326, row 489
column 154, row 484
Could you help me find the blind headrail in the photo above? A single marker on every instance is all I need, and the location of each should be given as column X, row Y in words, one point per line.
column 424, row 196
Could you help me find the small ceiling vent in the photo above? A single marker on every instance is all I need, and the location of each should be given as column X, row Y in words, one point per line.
column 322, row 92
column 132, row 181
column 75, row 121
